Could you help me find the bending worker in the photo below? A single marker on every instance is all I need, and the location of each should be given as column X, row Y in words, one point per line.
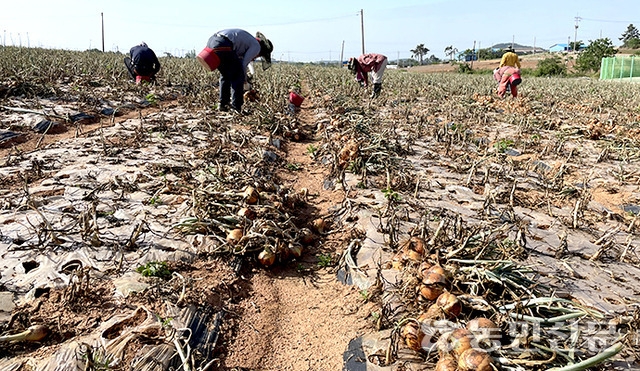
column 230, row 51
column 369, row 63
column 143, row 64
column 508, row 74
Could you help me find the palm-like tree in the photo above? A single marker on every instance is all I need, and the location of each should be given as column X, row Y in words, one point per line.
column 420, row 51
column 450, row 51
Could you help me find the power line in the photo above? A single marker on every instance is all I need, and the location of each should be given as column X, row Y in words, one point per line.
column 605, row 20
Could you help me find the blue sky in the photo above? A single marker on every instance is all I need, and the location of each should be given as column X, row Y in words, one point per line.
column 312, row 30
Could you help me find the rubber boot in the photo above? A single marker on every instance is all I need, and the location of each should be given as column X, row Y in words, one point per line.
column 376, row 90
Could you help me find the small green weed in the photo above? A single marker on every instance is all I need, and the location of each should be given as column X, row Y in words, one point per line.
column 293, row 167
column 311, row 149
column 324, row 260
column 155, row 269
column 391, row 195
column 503, row 145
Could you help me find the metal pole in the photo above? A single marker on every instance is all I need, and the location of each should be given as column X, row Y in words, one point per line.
column 362, row 27
column 342, row 54
column 102, row 16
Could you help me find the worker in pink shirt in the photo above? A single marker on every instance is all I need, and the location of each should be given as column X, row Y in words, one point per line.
column 369, row 63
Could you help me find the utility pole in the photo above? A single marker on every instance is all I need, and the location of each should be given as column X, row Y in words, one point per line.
column 534, row 45
column 102, row 16
column 513, row 37
column 473, row 54
column 342, row 54
column 569, row 43
column 362, row 27
column 575, row 34
column 398, row 63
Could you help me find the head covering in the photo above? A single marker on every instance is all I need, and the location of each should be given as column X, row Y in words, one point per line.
column 351, row 65
column 266, row 47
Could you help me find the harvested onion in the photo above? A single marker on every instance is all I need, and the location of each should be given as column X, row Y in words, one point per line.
column 434, row 281
column 447, row 305
column 250, row 195
column 319, row 225
column 446, row 363
column 267, row 257
column 474, row 359
column 412, row 335
column 484, row 330
column 296, row 250
column 234, row 236
column 247, row 213
column 306, row 237
column 455, row 342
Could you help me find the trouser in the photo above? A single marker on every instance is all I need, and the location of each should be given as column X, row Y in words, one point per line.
column 377, row 76
column 503, row 75
column 231, row 72
column 139, row 70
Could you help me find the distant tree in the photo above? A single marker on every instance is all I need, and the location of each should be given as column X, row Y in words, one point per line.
column 468, row 55
column 168, row 55
column 550, row 67
column 433, row 59
column 190, row 54
column 591, row 56
column 420, row 51
column 489, row 53
column 576, row 45
column 631, row 37
column 450, row 51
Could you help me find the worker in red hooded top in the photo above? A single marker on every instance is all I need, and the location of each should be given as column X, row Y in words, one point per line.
column 143, row 64
column 369, row 63
column 230, row 51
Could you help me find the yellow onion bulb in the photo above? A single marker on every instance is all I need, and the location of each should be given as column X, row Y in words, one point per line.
column 417, row 244
column 247, row 213
column 234, row 236
column 447, row 363
column 412, row 255
column 474, row 359
column 319, row 225
column 455, row 342
column 449, row 304
column 484, row 330
column 412, row 335
column 250, row 195
column 267, row 257
column 424, row 267
column 434, row 281
column 296, row 250
column 306, row 237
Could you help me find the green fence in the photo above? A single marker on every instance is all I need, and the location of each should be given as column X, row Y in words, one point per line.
column 619, row 68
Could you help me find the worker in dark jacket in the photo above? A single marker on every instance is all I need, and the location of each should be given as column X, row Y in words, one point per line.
column 230, row 51
column 143, row 64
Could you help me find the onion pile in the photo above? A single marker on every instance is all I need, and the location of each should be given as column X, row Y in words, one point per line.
column 460, row 349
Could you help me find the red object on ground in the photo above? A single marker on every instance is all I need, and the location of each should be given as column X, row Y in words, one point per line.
column 208, row 59
column 295, row 99
column 140, row 79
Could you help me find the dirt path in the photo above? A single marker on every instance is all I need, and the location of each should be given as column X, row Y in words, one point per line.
column 300, row 317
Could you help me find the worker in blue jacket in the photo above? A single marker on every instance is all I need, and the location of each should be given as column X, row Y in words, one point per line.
column 142, row 63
